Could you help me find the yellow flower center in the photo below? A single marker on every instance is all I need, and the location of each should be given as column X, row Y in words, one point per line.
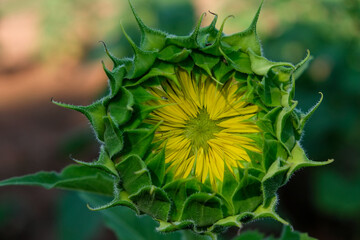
column 204, row 127
column 201, row 129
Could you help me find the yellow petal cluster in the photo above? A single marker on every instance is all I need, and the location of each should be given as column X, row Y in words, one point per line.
column 204, row 128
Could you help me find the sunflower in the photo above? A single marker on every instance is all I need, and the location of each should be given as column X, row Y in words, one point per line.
column 204, row 126
column 197, row 131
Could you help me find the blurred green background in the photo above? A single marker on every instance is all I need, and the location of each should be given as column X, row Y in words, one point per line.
column 49, row 48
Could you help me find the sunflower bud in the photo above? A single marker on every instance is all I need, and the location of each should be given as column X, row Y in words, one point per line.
column 199, row 131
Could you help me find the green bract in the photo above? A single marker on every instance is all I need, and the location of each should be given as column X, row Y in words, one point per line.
column 131, row 169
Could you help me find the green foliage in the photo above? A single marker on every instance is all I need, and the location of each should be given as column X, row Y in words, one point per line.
column 73, row 177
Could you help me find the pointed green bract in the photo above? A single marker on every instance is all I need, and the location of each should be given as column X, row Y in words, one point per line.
column 113, row 138
column 104, row 162
column 121, row 106
column 134, row 168
column 94, row 112
column 156, row 165
column 134, row 174
column 153, row 201
column 202, row 208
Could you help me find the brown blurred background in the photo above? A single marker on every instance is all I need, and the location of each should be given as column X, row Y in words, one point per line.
column 49, row 49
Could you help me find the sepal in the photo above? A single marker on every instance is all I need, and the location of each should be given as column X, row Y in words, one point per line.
column 273, row 180
column 116, row 77
column 305, row 117
column 94, row 113
column 113, row 138
column 104, row 162
column 159, row 69
column 153, row 201
column 120, row 107
column 156, row 166
column 247, row 39
column 138, row 141
column 120, row 199
column 260, row 65
column 151, row 39
column 190, row 41
column 174, row 54
column 298, row 159
column 202, row 208
column 143, row 60
column 239, row 61
column 133, row 174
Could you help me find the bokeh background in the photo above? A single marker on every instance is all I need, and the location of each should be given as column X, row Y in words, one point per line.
column 49, row 48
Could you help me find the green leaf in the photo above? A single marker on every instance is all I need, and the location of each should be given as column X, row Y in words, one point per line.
column 247, row 196
column 159, row 69
column 268, row 211
column 266, row 122
column 138, row 141
column 94, row 112
column 120, row 107
column 206, row 62
column 120, row 199
column 256, row 158
column 305, row 117
column 272, row 151
column 187, row 65
column 104, row 162
column 113, row 138
column 231, row 221
column 73, row 177
column 153, row 201
column 272, row 94
column 202, row 208
column 140, row 94
column 261, row 65
column 214, row 46
column 156, row 165
column 229, row 185
column 246, row 40
column 125, row 62
column 143, row 60
column 174, row 54
column 222, row 70
column 284, row 128
column 133, row 174
column 189, row 41
column 302, row 66
column 274, row 178
column 298, row 159
column 207, row 33
column 173, row 226
column 138, row 116
column 178, row 191
column 239, row 61
column 116, row 77
column 151, row 39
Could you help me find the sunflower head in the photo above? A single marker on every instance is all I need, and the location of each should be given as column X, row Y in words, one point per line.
column 204, row 127
column 199, row 131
